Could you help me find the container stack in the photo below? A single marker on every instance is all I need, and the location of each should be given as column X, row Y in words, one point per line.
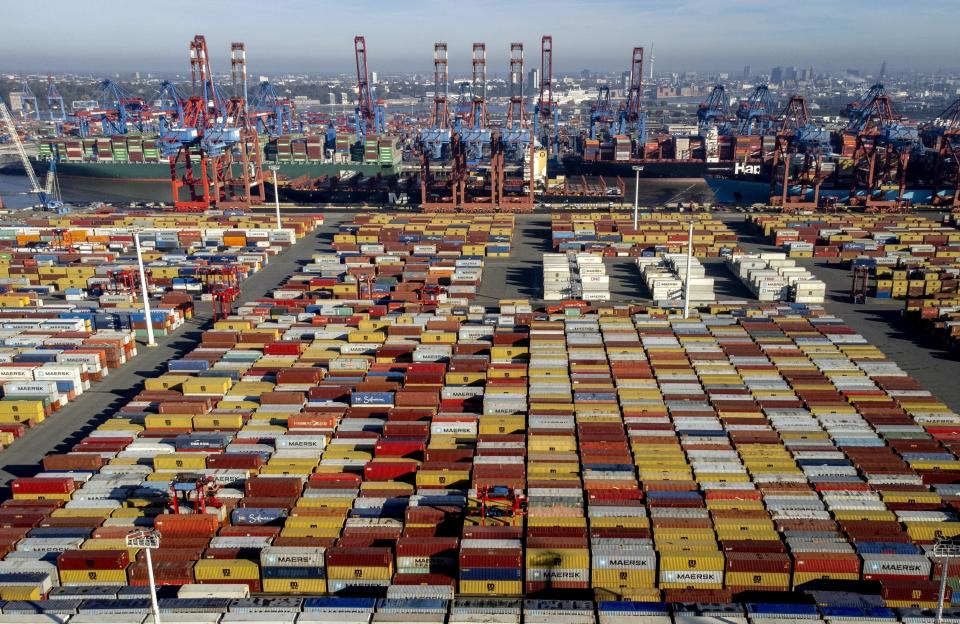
column 606, row 233
column 665, row 278
column 591, row 280
column 774, row 277
column 434, row 235
column 575, row 276
column 557, row 277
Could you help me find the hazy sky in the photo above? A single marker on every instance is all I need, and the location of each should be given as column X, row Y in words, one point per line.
column 107, row 35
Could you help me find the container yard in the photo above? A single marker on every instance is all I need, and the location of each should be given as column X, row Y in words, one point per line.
column 392, row 347
column 365, row 437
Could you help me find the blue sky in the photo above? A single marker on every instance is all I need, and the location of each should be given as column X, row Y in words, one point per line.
column 598, row 34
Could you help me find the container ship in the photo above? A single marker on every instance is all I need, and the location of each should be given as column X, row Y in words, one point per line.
column 682, row 154
column 134, row 165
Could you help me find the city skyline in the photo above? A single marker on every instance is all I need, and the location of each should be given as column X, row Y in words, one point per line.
column 693, row 35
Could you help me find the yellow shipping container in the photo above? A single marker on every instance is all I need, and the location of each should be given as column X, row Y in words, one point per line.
column 168, row 421
column 932, row 531
column 445, row 478
column 20, row 592
column 491, row 588
column 799, row 578
column 207, row 386
column 368, row 573
column 616, row 579
column 294, row 586
column 61, row 497
column 322, row 532
column 167, row 381
column 223, row 569
column 578, row 558
column 775, row 581
column 93, row 577
column 24, row 409
column 220, row 422
column 175, row 461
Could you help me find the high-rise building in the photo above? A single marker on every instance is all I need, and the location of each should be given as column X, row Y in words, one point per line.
column 344, row 99
column 332, row 98
column 533, row 80
column 585, row 74
column 746, row 72
column 16, row 101
column 790, row 74
column 776, row 75
column 373, row 78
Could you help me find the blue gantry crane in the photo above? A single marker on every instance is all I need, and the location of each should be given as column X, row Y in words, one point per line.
column 166, row 106
column 275, row 115
column 29, row 107
column 755, row 114
column 714, row 111
column 55, row 107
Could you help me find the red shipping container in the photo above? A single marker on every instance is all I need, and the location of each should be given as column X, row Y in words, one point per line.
column 914, row 591
column 179, row 525
column 273, row 486
column 41, row 485
column 93, row 560
column 235, row 461
column 399, row 447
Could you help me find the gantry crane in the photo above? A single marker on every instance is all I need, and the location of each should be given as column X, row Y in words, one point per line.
column 881, row 153
column 273, row 114
column 55, row 107
column 546, row 115
column 480, row 157
column 942, row 138
column 514, row 147
column 499, row 501
column 193, row 493
column 42, row 193
column 714, row 111
column 633, row 119
column 798, row 159
column 29, row 107
column 369, row 114
column 214, row 150
column 755, row 114
column 438, row 142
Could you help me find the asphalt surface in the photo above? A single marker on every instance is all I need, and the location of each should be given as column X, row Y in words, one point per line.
column 68, row 426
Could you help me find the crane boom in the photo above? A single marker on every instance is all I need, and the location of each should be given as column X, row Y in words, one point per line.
column 18, row 145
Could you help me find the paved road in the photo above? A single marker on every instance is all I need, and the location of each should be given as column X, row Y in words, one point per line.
column 93, row 407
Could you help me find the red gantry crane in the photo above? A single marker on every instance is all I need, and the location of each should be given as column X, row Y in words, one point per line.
column 941, row 137
column 798, row 159
column 214, row 149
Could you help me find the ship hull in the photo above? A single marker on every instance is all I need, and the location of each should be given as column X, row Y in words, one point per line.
column 150, row 182
column 740, row 191
column 574, row 165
